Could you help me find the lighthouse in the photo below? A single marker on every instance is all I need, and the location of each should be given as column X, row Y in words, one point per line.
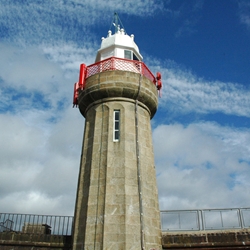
column 117, row 198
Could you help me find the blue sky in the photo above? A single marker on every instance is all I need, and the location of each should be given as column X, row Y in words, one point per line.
column 201, row 131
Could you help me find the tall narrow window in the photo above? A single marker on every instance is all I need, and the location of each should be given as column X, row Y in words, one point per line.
column 116, row 133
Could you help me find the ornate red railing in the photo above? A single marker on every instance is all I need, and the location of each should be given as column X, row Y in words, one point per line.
column 115, row 63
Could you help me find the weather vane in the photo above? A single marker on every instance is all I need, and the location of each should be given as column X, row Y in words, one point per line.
column 117, row 23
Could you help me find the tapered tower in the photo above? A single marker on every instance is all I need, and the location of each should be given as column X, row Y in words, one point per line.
column 117, row 197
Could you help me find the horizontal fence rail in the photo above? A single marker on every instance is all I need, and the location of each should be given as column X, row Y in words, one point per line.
column 40, row 224
column 171, row 220
column 205, row 219
column 114, row 63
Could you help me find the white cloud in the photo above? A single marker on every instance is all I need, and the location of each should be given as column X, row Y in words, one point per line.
column 40, row 134
column 244, row 12
column 27, row 68
column 69, row 56
column 200, row 166
column 34, row 202
column 39, row 78
column 40, row 162
column 47, row 25
column 183, row 92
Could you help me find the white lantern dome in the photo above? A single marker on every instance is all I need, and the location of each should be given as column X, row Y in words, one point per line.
column 118, row 45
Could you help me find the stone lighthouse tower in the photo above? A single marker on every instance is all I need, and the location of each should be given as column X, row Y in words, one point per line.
column 117, row 198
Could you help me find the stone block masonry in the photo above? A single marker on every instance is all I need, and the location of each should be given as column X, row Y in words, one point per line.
column 117, row 199
column 207, row 240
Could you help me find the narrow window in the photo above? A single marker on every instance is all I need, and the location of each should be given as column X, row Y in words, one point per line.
column 116, row 133
column 127, row 54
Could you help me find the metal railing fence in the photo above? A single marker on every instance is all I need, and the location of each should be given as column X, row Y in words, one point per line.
column 115, row 63
column 32, row 223
column 205, row 219
column 171, row 220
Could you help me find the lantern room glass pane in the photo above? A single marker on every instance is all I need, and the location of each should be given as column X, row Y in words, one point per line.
column 127, row 54
column 135, row 57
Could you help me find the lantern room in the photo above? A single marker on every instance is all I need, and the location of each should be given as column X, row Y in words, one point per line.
column 118, row 45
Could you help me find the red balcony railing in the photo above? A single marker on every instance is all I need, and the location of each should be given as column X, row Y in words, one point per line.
column 114, row 63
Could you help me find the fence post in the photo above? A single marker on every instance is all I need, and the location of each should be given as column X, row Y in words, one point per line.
column 202, row 220
column 199, row 220
column 221, row 219
column 241, row 219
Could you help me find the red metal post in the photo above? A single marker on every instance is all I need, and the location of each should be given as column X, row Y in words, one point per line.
column 82, row 76
column 75, row 95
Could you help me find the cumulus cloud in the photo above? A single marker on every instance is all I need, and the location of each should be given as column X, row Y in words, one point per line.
column 40, row 132
column 27, row 68
column 202, row 166
column 39, row 162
